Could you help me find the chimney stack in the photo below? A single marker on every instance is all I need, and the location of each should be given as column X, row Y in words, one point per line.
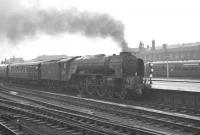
column 141, row 46
column 164, row 46
column 153, row 45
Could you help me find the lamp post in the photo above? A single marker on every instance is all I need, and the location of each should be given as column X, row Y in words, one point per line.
column 166, row 55
column 167, row 66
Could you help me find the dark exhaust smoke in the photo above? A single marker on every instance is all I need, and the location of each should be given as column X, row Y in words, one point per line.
column 27, row 23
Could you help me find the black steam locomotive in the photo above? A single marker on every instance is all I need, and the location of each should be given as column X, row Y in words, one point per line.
column 113, row 76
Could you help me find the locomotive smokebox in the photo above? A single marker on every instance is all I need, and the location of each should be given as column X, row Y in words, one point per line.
column 125, row 53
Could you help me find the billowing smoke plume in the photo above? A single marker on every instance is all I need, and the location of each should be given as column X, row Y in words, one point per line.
column 16, row 26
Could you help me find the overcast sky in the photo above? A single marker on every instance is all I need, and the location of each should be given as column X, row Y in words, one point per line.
column 166, row 21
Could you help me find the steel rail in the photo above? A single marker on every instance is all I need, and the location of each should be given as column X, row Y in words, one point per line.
column 164, row 120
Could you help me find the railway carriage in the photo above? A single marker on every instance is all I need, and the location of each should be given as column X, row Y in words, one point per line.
column 177, row 69
column 24, row 72
column 3, row 71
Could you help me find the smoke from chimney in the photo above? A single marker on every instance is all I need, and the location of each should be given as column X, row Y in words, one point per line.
column 27, row 23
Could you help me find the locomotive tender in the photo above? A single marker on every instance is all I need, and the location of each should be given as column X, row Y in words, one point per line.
column 113, row 76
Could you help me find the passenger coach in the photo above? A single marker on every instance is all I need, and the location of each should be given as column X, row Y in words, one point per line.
column 24, row 72
column 177, row 69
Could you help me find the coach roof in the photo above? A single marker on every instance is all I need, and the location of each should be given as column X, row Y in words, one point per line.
column 26, row 63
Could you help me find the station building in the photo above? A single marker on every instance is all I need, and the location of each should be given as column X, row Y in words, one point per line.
column 178, row 52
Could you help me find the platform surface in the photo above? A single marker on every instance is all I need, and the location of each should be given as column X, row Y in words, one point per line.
column 177, row 80
column 176, row 84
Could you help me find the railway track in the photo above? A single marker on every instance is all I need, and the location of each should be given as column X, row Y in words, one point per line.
column 175, row 108
column 36, row 114
column 188, row 110
column 8, row 129
column 170, row 124
column 51, row 121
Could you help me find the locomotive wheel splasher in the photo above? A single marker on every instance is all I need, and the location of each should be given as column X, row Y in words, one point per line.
column 101, row 91
column 91, row 90
column 122, row 94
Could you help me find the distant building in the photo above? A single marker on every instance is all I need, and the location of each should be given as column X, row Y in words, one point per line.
column 13, row 60
column 189, row 51
column 50, row 57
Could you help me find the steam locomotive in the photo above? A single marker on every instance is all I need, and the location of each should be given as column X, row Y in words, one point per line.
column 112, row 76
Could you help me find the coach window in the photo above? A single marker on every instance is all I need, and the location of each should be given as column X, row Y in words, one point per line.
column 64, row 65
column 194, row 68
column 195, row 55
column 189, row 55
column 20, row 69
column 149, row 57
column 36, row 68
column 30, row 68
column 163, row 67
column 159, row 56
column 145, row 58
column 185, row 68
column 175, row 67
column 170, row 56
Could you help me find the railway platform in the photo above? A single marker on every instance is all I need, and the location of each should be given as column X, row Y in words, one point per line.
column 176, row 84
column 177, row 80
column 184, row 92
